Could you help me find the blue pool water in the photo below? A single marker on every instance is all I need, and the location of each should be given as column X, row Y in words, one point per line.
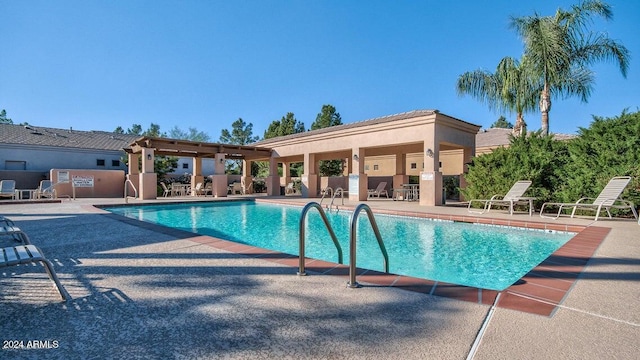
column 487, row 257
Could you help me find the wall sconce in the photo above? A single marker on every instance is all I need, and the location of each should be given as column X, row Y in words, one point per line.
column 429, row 153
column 221, row 160
column 355, row 157
column 148, row 156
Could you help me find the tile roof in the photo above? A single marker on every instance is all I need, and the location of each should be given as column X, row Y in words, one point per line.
column 498, row 136
column 41, row 136
column 379, row 120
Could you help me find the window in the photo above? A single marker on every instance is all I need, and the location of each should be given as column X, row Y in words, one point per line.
column 414, row 165
column 375, row 167
column 100, row 162
column 185, row 166
column 366, row 167
column 115, row 163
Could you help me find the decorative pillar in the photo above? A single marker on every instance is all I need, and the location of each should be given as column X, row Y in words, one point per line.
column 133, row 174
column 358, row 180
column 196, row 177
column 247, row 180
column 431, row 177
column 310, row 176
column 400, row 175
column 273, row 180
column 219, row 185
column 148, row 181
column 467, row 155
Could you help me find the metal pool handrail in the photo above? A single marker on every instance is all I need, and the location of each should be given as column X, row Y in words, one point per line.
column 303, row 216
column 326, row 191
column 338, row 191
column 352, row 243
column 126, row 195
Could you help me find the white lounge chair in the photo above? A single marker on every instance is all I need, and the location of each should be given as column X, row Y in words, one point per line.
column 609, row 198
column 380, row 190
column 511, row 198
column 45, row 190
column 8, row 189
column 27, row 254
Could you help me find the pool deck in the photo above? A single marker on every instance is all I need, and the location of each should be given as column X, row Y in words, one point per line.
column 143, row 291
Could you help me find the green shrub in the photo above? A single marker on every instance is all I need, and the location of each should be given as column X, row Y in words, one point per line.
column 534, row 157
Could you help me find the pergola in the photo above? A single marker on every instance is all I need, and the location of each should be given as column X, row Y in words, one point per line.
column 142, row 173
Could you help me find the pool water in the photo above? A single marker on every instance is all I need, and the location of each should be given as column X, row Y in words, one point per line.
column 488, row 257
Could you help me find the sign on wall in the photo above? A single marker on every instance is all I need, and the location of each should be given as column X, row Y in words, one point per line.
column 82, row 181
column 63, row 177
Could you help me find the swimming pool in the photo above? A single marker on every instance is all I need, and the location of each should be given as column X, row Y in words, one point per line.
column 482, row 256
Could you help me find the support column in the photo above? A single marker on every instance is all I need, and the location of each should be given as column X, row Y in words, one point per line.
column 400, row 176
column 273, row 180
column 246, row 180
column 358, row 180
column 431, row 177
column 133, row 174
column 286, row 174
column 196, row 177
column 148, row 181
column 467, row 156
column 310, row 176
column 219, row 178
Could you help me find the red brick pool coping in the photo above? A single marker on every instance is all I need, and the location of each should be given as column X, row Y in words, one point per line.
column 538, row 292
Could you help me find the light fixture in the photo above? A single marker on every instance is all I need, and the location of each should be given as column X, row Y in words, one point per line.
column 148, row 156
column 221, row 160
column 429, row 153
column 355, row 157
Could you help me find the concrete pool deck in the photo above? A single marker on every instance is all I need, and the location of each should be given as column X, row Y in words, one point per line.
column 143, row 292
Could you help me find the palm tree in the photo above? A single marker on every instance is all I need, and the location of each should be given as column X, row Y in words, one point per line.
column 561, row 48
column 510, row 88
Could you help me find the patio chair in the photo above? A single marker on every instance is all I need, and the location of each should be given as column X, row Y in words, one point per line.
column 377, row 192
column 511, row 198
column 28, row 254
column 45, row 190
column 208, row 189
column 8, row 189
column 290, row 189
column 165, row 190
column 236, row 188
column 609, row 198
column 199, row 189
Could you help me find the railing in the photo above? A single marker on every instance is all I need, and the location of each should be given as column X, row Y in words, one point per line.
column 352, row 243
column 338, row 191
column 326, row 191
column 135, row 191
column 305, row 210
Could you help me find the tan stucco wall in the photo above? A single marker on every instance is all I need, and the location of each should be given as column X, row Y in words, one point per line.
column 106, row 183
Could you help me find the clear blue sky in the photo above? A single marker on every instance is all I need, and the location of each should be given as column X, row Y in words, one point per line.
column 96, row 65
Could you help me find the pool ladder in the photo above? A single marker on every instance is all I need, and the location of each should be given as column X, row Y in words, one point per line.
column 353, row 231
column 126, row 195
column 329, row 190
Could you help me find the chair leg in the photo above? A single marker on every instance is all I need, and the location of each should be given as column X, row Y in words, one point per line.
column 52, row 275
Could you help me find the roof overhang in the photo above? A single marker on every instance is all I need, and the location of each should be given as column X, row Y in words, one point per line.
column 187, row 148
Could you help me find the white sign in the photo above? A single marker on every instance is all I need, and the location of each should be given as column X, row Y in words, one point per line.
column 354, row 183
column 427, row 176
column 82, row 181
column 63, row 177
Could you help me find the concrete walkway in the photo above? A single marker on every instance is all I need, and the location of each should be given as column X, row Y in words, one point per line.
column 144, row 292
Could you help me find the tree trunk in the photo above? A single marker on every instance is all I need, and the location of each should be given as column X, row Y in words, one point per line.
column 520, row 128
column 545, row 107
